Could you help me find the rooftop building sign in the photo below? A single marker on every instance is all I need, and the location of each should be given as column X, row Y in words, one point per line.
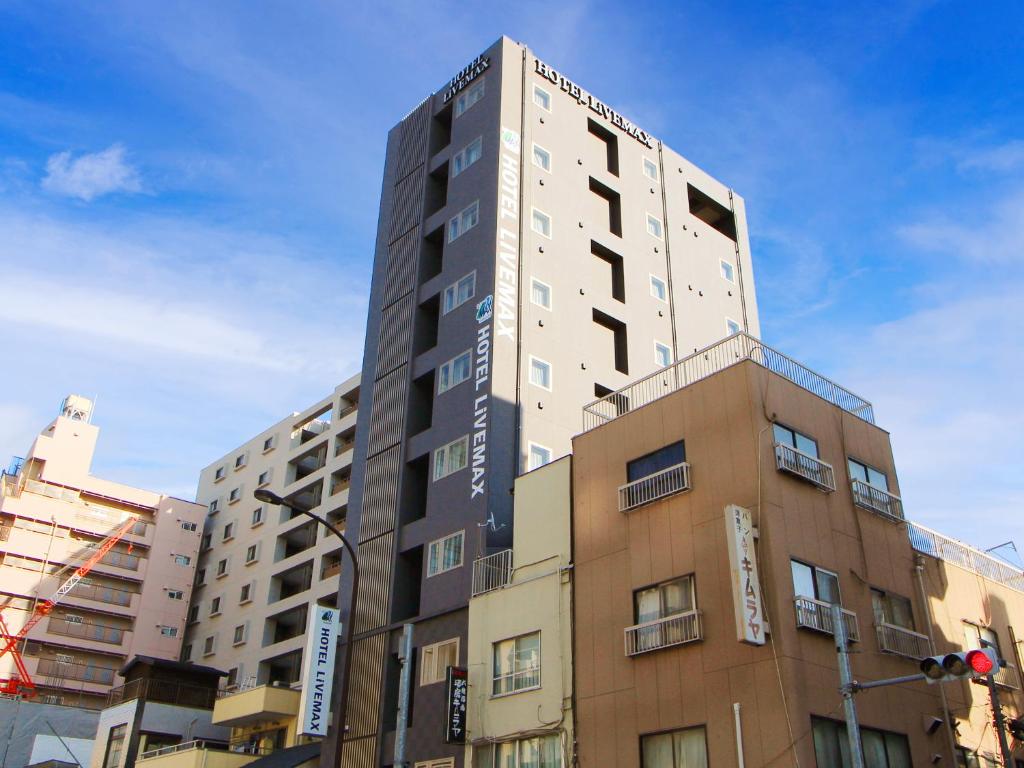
column 466, row 75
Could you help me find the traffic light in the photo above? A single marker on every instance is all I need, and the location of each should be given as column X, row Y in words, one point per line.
column 960, row 666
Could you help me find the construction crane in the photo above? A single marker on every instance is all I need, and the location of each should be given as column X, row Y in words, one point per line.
column 22, row 684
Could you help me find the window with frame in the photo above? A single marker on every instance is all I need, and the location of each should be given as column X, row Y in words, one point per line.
column 650, row 169
column 232, row 679
column 798, row 440
column 175, row 594
column 218, row 474
column 541, row 223
column 976, row 637
column 669, row 598
column 264, row 478
column 654, row 462
column 245, row 594
column 685, row 748
column 541, row 158
column 215, row 606
column 186, row 652
column 655, row 227
column 235, row 495
column 463, row 221
column 213, row 506
column 458, row 293
column 469, row 97
column 516, row 664
column 209, row 645
column 662, row 354
column 207, row 542
column 535, row 752
column 115, row 745
column 731, row 327
column 866, row 474
column 454, row 372
column 814, row 582
column 239, row 636
column 240, row 461
column 445, row 554
column 542, row 98
column 229, row 531
column 200, row 576
column 466, row 156
column 222, row 567
column 659, row 289
column 188, row 526
column 268, row 444
column 540, row 293
column 892, row 609
column 728, row 271
column 166, row 631
column 539, row 456
column 257, row 516
column 252, row 554
column 882, row 749
column 182, row 560
column 435, row 660
column 540, row 372
column 451, row 457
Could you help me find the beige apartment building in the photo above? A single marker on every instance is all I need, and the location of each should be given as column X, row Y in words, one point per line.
column 720, row 507
column 53, row 516
column 262, row 567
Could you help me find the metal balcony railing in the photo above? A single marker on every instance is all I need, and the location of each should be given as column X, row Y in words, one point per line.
column 1007, row 677
column 165, row 692
column 62, row 670
column 101, row 633
column 663, row 633
column 102, row 594
column 817, row 615
column 902, row 641
column 932, row 543
column 242, row 748
column 803, row 465
column 492, row 572
column 711, row 360
column 877, row 500
column 674, row 479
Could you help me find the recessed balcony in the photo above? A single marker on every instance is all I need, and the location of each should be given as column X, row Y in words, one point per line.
column 799, row 464
column 816, row 615
column 667, row 482
column 664, row 633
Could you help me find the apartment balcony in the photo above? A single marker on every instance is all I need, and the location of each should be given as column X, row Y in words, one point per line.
column 255, row 705
column 902, row 641
column 201, row 754
column 492, row 572
column 816, row 615
column 883, row 503
column 815, row 471
column 667, row 482
column 164, row 692
column 87, row 630
column 664, row 633
column 52, row 672
column 101, row 593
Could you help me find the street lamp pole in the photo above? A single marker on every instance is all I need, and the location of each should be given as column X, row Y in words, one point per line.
column 333, row 758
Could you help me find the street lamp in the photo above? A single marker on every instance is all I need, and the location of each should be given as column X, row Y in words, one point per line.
column 338, row 725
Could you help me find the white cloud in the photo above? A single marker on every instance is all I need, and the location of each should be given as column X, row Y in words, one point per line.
column 1003, row 158
column 90, row 176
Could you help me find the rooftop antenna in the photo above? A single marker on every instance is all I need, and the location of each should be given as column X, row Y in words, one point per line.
column 1006, row 545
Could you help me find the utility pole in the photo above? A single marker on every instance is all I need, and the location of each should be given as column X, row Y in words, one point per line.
column 847, row 687
column 997, row 710
column 404, row 685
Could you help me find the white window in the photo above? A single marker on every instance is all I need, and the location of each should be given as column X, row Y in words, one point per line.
column 229, row 531
column 257, row 516
column 235, row 495
column 187, row 526
column 264, row 478
column 175, row 594
column 245, row 595
column 654, row 226
column 252, row 554
column 539, row 455
column 436, row 658
column 215, row 606
column 541, row 223
column 210, row 645
column 731, row 326
column 658, row 288
column 463, row 221
column 445, row 554
column 458, row 293
column 240, row 635
column 662, row 354
column 168, row 631
column 540, row 372
column 650, row 169
column 516, row 664
column 540, row 293
column 455, row 371
column 467, row 156
column 469, row 97
column 451, row 457
column 728, row 271
column 541, row 157
column 182, row 560
column 541, row 98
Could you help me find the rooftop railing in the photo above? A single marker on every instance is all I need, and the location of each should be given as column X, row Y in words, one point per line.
column 492, row 572
column 932, row 543
column 710, row 360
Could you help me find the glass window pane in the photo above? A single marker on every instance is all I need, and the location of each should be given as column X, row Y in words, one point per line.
column 648, row 605
column 691, row 749
column 880, row 607
column 550, row 752
column 803, row 579
column 676, row 597
column 826, row 743
column 877, row 479
column 529, row 753
column 783, row 435
column 897, row 750
column 657, row 751
column 806, row 445
column 857, row 470
column 505, row 755
column 901, row 612
column 828, row 586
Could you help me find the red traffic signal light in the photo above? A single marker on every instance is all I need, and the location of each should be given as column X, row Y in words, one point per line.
column 983, row 661
column 960, row 666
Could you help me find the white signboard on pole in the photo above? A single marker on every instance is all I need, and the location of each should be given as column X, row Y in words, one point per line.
column 318, row 670
column 746, row 588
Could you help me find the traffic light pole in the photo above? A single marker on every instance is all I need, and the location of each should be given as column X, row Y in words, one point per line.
column 1000, row 722
column 847, row 687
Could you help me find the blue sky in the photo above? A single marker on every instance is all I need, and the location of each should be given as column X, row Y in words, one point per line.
column 188, row 198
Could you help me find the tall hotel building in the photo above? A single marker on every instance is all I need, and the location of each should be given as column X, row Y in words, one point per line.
column 535, row 250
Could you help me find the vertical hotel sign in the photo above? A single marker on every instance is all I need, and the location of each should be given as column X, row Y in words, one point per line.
column 746, row 588
column 318, row 671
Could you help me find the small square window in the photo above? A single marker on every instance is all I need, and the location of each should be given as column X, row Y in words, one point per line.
column 218, row 474
column 541, row 223
column 654, row 226
column 650, row 169
column 257, row 516
column 182, row 560
column 540, row 293
column 728, row 271
column 731, row 326
column 252, row 554
column 268, row 444
column 469, row 97
column 214, row 506
column 222, row 568
column 458, row 293
column 175, row 594
column 662, row 354
column 516, row 665
column 465, row 158
column 451, row 457
column 540, row 372
column 240, row 461
column 229, row 531
column 539, row 456
column 239, row 637
column 207, row 542
column 542, row 98
column 210, row 645
column 658, row 289
column 541, row 157
column 463, row 221
column 435, row 660
column 215, row 606
column 235, row 495
column 264, row 478
column 245, row 595
column 166, row 631
column 455, row 371
column 188, row 526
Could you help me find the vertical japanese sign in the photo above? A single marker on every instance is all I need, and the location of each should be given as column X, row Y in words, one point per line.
column 457, row 688
column 746, row 588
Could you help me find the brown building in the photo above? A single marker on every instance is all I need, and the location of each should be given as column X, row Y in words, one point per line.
column 662, row 676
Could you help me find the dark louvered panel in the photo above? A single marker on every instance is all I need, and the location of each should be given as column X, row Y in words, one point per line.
column 395, row 332
column 412, row 143
column 364, row 691
column 406, row 205
column 387, row 411
column 401, row 272
column 374, row 583
column 359, row 753
column 380, row 494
